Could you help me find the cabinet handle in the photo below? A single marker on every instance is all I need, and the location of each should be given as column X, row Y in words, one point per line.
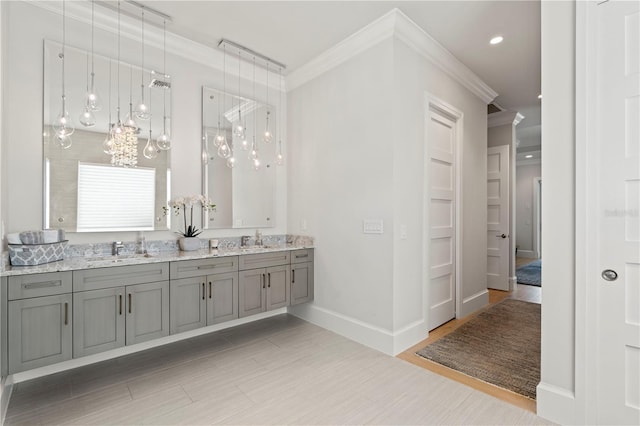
column 32, row 286
column 300, row 256
column 209, row 289
column 263, row 280
column 120, row 307
column 269, row 275
column 202, row 291
column 129, row 302
column 293, row 276
column 66, row 313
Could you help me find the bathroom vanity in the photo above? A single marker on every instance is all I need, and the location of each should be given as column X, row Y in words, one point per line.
column 80, row 307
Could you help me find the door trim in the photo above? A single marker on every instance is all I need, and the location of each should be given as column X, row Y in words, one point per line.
column 432, row 102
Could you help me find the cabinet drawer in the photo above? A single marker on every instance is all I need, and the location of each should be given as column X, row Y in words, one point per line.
column 36, row 285
column 302, row 255
column 264, row 260
column 199, row 267
column 94, row 279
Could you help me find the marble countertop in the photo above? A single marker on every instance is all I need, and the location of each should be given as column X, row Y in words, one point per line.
column 76, row 263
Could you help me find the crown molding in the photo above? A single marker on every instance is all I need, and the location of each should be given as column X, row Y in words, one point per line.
column 504, row 117
column 392, row 24
column 107, row 20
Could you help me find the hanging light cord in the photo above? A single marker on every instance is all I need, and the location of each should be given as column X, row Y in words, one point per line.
column 164, row 73
column 92, row 56
column 110, row 124
column 142, row 59
column 255, row 146
column 239, row 98
column 118, row 87
column 64, row 41
column 279, row 116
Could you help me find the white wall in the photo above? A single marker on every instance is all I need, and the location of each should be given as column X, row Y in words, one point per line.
column 525, row 175
column 556, row 394
column 357, row 153
column 27, row 26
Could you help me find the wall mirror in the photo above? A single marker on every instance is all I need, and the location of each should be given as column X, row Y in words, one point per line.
column 244, row 195
column 85, row 188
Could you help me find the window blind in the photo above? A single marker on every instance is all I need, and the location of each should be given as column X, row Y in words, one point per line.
column 115, row 198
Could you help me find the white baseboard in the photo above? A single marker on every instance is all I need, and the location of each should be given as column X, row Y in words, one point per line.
column 115, row 353
column 529, row 254
column 410, row 335
column 5, row 396
column 556, row 404
column 473, row 303
column 369, row 335
column 513, row 281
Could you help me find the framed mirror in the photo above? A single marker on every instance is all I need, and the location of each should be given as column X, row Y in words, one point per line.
column 87, row 187
column 243, row 194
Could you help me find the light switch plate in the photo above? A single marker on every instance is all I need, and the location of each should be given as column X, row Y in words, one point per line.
column 372, row 226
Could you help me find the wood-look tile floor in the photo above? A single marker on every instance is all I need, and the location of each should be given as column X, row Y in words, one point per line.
column 281, row 370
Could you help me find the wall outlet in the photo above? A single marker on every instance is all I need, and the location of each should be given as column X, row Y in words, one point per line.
column 372, row 226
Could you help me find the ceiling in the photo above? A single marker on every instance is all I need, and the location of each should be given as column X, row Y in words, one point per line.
column 294, row 32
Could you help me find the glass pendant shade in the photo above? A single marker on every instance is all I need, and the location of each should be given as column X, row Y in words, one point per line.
column 130, row 121
column 93, row 102
column 64, row 141
column 238, row 130
column 279, row 156
column 244, row 144
column 224, row 151
column 142, row 111
column 109, row 146
column 255, row 163
column 231, row 162
column 163, row 141
column 218, row 139
column 150, row 150
column 87, row 118
column 267, row 137
column 63, row 124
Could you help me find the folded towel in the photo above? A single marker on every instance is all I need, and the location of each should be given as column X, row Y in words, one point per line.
column 50, row 236
column 32, row 237
column 14, row 238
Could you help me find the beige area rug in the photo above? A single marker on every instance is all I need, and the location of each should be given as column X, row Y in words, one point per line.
column 500, row 346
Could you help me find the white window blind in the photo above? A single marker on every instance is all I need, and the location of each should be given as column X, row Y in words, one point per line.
column 115, row 198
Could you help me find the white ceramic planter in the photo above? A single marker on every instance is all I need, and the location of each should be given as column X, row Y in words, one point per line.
column 189, row 243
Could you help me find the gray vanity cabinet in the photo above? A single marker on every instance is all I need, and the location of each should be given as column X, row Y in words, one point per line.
column 39, row 328
column 301, row 276
column 198, row 300
column 267, row 288
column 119, row 306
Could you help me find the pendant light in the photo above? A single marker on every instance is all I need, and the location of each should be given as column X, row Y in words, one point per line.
column 267, row 137
column 130, row 121
column 150, row 150
column 93, row 102
column 253, row 154
column 224, row 151
column 279, row 156
column 118, row 128
column 142, row 110
column 164, row 141
column 87, row 118
column 63, row 125
column 108, row 146
column 238, row 130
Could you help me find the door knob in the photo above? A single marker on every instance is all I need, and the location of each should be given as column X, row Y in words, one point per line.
column 609, row 275
column 501, row 236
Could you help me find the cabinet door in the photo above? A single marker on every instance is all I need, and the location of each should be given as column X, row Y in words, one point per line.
column 40, row 331
column 147, row 311
column 252, row 292
column 98, row 321
column 222, row 298
column 277, row 287
column 301, row 283
column 188, row 304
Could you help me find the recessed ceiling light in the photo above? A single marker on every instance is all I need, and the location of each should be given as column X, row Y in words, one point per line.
column 496, row 40
column 540, row 96
column 528, row 156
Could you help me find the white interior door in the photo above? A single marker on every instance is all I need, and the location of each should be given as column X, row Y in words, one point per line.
column 498, row 217
column 617, row 118
column 441, row 138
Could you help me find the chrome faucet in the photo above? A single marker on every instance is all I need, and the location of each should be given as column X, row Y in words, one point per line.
column 116, row 247
column 244, row 241
column 258, row 237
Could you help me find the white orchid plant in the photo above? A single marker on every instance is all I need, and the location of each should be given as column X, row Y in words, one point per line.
column 182, row 204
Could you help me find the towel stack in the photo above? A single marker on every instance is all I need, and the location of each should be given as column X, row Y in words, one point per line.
column 46, row 236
